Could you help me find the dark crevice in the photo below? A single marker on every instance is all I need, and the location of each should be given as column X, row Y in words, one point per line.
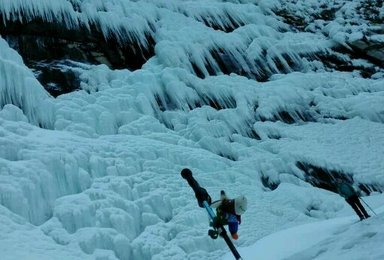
column 227, row 156
column 371, row 11
column 228, row 27
column 58, row 77
column 336, row 61
column 227, row 64
column 251, row 133
column 363, row 49
column 291, row 19
column 284, row 116
column 327, row 14
column 290, row 117
column 283, row 68
column 343, row 57
column 212, row 101
column 256, row 69
column 40, row 42
column 216, row 103
column 300, row 22
column 326, row 178
column 197, row 71
column 342, row 60
column 164, row 102
column 269, row 184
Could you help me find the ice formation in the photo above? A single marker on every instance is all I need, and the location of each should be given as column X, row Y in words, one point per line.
column 94, row 174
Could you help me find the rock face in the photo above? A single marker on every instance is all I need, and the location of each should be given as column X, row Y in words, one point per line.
column 49, row 40
column 44, row 46
column 367, row 44
column 370, row 49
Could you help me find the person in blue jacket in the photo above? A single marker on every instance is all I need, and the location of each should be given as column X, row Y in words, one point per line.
column 229, row 212
column 350, row 195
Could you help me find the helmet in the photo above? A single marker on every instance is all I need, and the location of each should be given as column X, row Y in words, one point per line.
column 240, row 205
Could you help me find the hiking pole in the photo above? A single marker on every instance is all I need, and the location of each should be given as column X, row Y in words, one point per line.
column 368, row 206
column 203, row 200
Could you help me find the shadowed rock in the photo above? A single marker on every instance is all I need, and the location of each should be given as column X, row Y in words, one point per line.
column 325, row 178
column 41, row 43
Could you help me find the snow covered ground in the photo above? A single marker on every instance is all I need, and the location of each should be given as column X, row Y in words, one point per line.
column 337, row 238
column 95, row 174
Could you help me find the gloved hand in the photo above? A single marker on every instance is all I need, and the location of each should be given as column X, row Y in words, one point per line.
column 202, row 195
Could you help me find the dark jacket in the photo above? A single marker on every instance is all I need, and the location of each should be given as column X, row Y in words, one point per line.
column 225, row 209
column 346, row 190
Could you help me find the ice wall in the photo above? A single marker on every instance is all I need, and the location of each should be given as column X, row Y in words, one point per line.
column 19, row 87
column 102, row 181
column 227, row 37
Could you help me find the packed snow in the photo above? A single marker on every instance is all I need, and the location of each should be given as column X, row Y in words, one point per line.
column 327, row 239
column 95, row 174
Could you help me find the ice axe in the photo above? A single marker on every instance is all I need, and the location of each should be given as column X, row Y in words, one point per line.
column 204, row 200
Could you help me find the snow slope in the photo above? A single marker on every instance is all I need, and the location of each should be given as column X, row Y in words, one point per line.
column 337, row 238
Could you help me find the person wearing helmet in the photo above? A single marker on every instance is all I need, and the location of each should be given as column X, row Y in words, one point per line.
column 229, row 212
column 351, row 196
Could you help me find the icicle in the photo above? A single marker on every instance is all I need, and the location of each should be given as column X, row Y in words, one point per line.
column 19, row 87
